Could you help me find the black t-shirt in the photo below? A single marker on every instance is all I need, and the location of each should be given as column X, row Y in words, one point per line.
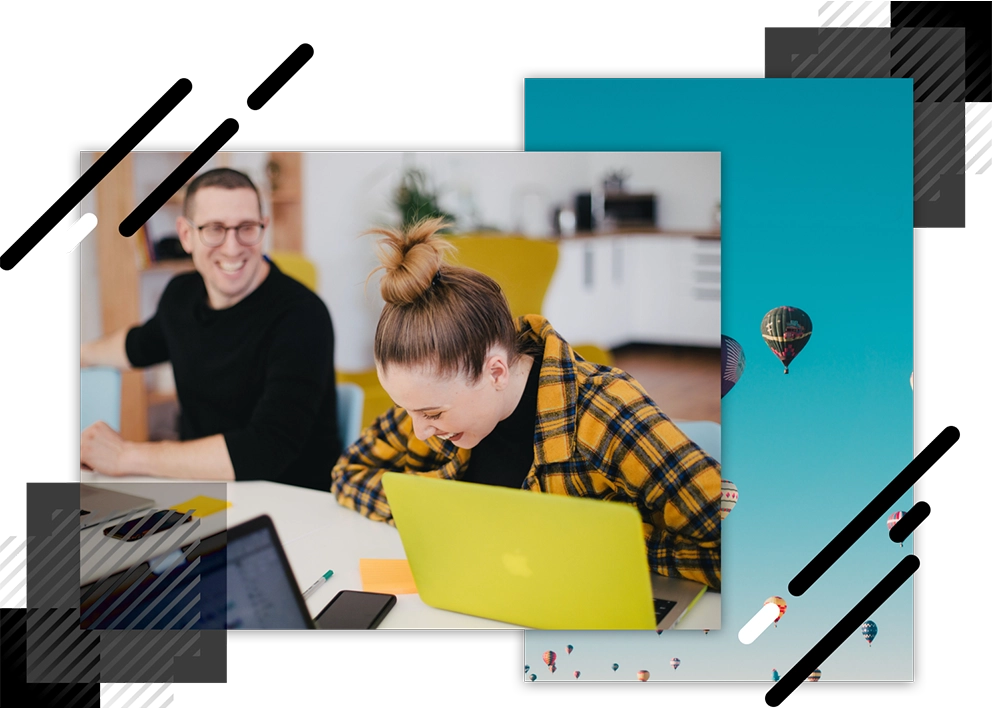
column 505, row 456
column 260, row 372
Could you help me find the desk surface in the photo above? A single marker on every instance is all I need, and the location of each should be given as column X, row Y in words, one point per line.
column 317, row 534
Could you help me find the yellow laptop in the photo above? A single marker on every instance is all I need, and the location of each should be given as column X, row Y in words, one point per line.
column 539, row 560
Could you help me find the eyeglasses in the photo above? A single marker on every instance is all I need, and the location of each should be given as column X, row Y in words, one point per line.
column 214, row 233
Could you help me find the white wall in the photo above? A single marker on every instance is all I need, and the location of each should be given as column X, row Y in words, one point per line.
column 346, row 193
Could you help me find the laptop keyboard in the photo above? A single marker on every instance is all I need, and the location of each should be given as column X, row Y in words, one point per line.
column 661, row 608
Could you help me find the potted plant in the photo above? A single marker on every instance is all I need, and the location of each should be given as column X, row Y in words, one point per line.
column 417, row 200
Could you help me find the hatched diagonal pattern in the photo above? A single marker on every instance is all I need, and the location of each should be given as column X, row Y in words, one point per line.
column 858, row 53
column 938, row 147
column 978, row 139
column 933, row 58
column 136, row 694
column 144, row 640
column 853, row 14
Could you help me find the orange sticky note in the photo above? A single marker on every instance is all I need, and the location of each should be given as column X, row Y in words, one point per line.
column 386, row 576
column 202, row 506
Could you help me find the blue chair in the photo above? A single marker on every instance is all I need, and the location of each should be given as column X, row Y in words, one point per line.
column 351, row 399
column 99, row 397
column 705, row 434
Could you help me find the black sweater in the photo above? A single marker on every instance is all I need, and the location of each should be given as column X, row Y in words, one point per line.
column 260, row 372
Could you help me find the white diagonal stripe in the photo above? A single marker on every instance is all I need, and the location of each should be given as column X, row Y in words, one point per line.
column 976, row 137
column 856, row 14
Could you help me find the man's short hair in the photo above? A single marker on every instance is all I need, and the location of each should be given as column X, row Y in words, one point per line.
column 221, row 177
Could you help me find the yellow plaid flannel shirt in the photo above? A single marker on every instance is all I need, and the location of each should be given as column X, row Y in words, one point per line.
column 598, row 434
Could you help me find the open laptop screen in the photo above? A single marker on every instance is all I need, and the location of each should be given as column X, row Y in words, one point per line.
column 237, row 579
column 259, row 592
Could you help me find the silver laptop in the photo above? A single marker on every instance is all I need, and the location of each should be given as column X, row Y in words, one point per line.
column 98, row 504
column 673, row 597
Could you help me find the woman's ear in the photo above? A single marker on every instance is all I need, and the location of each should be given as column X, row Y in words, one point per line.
column 498, row 370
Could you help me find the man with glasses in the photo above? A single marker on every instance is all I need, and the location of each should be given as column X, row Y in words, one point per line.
column 252, row 351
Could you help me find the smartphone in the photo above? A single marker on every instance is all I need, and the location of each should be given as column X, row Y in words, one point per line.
column 128, row 533
column 355, row 610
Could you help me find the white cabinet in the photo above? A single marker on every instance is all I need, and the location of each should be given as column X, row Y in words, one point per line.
column 696, row 292
column 584, row 302
column 651, row 288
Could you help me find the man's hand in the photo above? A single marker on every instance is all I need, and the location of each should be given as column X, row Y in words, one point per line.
column 102, row 449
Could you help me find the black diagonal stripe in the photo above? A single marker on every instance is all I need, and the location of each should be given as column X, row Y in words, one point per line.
column 90, row 654
column 921, row 55
column 916, row 36
column 67, row 640
column 850, row 623
column 100, row 169
column 161, row 194
column 278, row 78
column 959, row 85
column 947, row 59
column 80, row 698
column 852, row 532
column 901, row 531
column 908, row 19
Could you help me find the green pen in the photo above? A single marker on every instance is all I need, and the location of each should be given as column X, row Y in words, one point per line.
column 317, row 584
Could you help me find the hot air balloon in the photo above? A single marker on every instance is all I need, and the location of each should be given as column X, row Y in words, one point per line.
column 731, row 363
column 780, row 602
column 643, row 675
column 526, row 669
column 533, row 678
column 568, row 649
column 549, row 658
column 675, row 662
column 706, row 631
column 775, row 675
column 576, row 673
column 869, row 630
column 554, row 668
column 815, row 677
column 615, row 667
column 659, row 631
column 893, row 518
column 728, row 497
column 786, row 331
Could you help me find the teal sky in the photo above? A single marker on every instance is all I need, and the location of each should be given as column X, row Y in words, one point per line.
column 817, row 214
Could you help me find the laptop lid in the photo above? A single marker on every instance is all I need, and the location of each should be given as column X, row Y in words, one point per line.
column 98, row 504
column 242, row 576
column 538, row 560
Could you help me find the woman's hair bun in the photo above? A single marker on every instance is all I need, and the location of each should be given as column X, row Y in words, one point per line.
column 411, row 258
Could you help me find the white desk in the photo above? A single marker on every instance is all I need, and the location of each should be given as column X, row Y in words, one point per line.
column 316, row 533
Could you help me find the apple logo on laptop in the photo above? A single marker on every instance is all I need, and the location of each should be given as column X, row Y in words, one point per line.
column 516, row 564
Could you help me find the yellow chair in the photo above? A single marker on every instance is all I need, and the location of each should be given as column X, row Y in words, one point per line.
column 523, row 268
column 296, row 266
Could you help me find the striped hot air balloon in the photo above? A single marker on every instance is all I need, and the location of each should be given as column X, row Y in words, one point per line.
column 869, row 630
column 786, row 330
column 731, row 364
column 893, row 518
column 549, row 658
column 615, row 667
column 775, row 675
column 675, row 662
column 576, row 673
column 815, row 677
column 643, row 675
column 568, row 649
column 728, row 498
column 554, row 668
column 780, row 602
column 533, row 678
